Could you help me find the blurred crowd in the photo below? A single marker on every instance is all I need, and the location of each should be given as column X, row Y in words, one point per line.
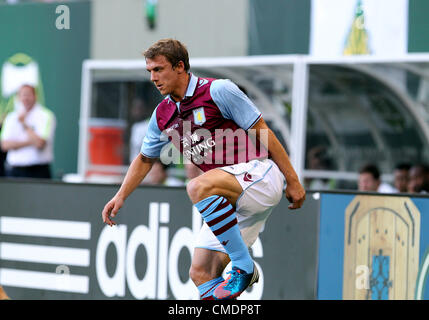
column 27, row 135
column 407, row 178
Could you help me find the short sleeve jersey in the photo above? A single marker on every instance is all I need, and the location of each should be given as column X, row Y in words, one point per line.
column 209, row 126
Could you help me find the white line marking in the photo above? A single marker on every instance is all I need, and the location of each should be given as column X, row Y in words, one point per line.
column 44, row 254
column 44, row 280
column 45, row 228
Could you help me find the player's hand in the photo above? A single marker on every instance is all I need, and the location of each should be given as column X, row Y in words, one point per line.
column 110, row 210
column 295, row 193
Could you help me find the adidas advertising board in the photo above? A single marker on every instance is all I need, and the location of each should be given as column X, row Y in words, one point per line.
column 54, row 245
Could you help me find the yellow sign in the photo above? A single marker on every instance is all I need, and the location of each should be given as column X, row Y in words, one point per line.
column 383, row 234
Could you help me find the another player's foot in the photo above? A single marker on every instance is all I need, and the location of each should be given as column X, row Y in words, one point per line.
column 237, row 281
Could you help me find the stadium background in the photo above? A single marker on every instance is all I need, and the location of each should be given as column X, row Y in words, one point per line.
column 111, row 30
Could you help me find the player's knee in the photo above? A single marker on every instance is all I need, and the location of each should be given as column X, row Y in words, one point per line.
column 193, row 274
column 199, row 189
column 198, row 274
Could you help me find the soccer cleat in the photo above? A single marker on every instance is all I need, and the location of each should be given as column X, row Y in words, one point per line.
column 237, row 281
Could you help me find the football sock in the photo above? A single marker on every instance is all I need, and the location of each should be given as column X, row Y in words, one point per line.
column 206, row 289
column 221, row 218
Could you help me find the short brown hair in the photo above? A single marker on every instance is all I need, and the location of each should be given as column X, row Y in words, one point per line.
column 172, row 49
column 372, row 169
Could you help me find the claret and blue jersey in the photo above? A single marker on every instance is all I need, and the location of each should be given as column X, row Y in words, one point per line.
column 211, row 124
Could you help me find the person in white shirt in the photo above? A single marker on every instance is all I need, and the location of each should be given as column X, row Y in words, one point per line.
column 369, row 180
column 28, row 136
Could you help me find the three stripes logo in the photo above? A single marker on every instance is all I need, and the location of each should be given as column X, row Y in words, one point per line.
column 26, row 230
column 39, row 253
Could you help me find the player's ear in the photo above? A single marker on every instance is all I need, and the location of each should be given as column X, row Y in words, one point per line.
column 179, row 67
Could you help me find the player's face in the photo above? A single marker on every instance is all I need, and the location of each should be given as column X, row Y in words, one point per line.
column 162, row 74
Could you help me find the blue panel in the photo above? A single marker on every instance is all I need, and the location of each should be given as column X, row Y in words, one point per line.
column 423, row 205
column 331, row 250
column 331, row 245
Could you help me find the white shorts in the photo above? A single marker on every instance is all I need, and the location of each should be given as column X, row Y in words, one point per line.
column 263, row 185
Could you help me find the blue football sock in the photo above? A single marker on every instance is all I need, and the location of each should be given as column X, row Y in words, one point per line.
column 206, row 289
column 221, row 218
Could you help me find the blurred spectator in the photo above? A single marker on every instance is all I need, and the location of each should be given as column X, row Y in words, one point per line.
column 158, row 175
column 4, row 110
column 369, row 180
column 418, row 179
column 28, row 136
column 400, row 174
column 138, row 114
column 3, row 155
column 318, row 159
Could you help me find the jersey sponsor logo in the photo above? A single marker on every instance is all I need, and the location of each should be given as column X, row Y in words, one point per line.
column 185, row 142
column 198, row 153
column 195, row 138
column 190, row 139
column 199, row 116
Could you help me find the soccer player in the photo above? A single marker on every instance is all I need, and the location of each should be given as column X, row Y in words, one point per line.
column 246, row 169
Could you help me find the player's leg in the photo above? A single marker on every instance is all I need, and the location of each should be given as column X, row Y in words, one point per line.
column 262, row 190
column 206, row 271
column 214, row 182
column 214, row 194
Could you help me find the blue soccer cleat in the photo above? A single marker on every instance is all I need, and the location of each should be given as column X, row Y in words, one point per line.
column 237, row 281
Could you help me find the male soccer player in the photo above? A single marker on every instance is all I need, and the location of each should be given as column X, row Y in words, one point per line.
column 216, row 126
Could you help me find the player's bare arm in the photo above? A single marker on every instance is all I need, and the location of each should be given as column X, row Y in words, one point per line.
column 138, row 169
column 294, row 192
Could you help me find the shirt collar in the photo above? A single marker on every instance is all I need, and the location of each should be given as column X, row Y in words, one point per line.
column 191, row 87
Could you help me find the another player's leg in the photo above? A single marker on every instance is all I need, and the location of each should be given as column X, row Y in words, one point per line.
column 214, row 194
